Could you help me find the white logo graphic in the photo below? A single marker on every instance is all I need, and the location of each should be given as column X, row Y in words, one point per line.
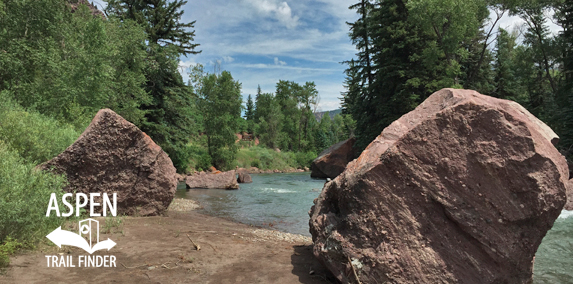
column 87, row 227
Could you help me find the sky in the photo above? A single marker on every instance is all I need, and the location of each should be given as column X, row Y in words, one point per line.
column 263, row 41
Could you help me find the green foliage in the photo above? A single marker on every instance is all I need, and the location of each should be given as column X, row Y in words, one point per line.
column 269, row 120
column 409, row 49
column 161, row 20
column 269, row 159
column 388, row 77
column 285, row 120
column 24, row 196
column 563, row 124
column 250, row 115
column 220, row 103
column 171, row 115
column 304, row 159
column 69, row 65
column 35, row 137
column 8, row 248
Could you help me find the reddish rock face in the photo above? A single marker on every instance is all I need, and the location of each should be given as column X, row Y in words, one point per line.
column 460, row 190
column 569, row 204
column 221, row 180
column 332, row 161
column 113, row 155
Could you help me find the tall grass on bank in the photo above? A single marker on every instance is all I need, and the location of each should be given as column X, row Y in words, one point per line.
column 35, row 137
column 27, row 138
column 269, row 159
column 24, row 196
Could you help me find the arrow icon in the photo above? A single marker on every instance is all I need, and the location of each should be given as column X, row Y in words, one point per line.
column 62, row 237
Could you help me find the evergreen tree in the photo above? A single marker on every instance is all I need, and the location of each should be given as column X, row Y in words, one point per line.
column 564, row 115
column 250, row 114
column 397, row 81
column 324, row 134
column 161, row 20
column 406, row 51
column 504, row 68
column 170, row 116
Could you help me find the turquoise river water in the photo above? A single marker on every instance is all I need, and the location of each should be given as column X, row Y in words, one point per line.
column 282, row 201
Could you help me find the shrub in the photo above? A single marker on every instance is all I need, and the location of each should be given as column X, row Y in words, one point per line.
column 35, row 137
column 9, row 247
column 256, row 163
column 199, row 158
column 265, row 158
column 24, row 196
column 304, row 159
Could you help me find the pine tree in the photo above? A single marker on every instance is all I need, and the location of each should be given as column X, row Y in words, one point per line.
column 171, row 115
column 161, row 20
column 564, row 115
column 250, row 114
column 397, row 79
column 504, row 70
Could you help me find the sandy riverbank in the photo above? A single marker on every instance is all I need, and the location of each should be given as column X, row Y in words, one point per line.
column 159, row 250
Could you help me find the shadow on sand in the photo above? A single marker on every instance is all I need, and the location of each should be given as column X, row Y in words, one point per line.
column 303, row 262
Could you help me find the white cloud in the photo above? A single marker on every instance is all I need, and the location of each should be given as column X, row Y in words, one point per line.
column 185, row 67
column 228, row 59
column 307, row 38
column 279, row 10
column 279, row 62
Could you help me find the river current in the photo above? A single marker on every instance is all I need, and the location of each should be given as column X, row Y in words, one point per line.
column 282, row 202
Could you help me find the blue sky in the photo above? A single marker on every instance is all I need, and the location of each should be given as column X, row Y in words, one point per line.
column 263, row 41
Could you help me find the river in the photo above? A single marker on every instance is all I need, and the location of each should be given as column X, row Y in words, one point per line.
column 282, row 201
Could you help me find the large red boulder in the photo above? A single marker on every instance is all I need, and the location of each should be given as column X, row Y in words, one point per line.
column 332, row 161
column 113, row 156
column 460, row 190
column 220, row 180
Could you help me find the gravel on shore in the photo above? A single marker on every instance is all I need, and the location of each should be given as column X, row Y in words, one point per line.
column 184, row 205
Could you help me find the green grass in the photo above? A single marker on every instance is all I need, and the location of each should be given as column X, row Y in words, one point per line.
column 269, row 159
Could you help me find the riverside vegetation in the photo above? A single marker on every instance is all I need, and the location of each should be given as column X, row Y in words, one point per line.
column 58, row 68
column 62, row 61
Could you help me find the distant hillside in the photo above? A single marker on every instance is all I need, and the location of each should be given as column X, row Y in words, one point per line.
column 332, row 113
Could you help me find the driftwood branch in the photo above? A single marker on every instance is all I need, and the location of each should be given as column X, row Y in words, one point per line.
column 197, row 247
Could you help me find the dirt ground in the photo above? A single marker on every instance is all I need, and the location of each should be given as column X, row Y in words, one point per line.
column 160, row 250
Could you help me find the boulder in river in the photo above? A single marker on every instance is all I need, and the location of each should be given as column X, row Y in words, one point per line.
column 243, row 176
column 221, row 180
column 113, row 156
column 460, row 190
column 332, row 161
